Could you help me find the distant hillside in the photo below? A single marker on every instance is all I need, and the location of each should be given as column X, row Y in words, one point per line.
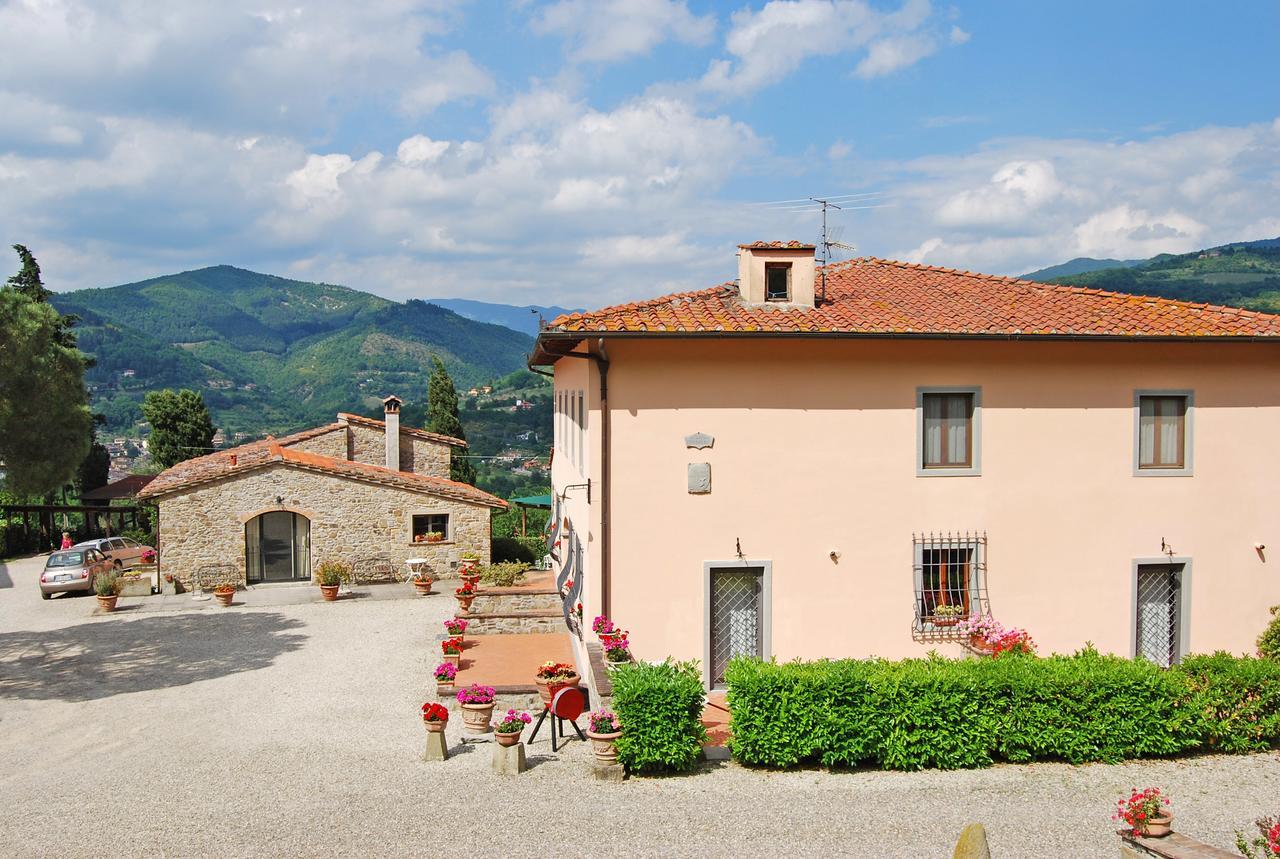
column 271, row 354
column 518, row 318
column 1241, row 274
column 1080, row 265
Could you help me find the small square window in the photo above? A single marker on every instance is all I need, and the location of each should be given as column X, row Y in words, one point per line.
column 777, row 281
column 1162, row 431
column 430, row 527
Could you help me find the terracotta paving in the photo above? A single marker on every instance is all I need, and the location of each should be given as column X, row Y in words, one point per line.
column 715, row 718
column 535, row 580
column 509, row 661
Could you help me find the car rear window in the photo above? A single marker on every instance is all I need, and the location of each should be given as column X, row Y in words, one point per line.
column 66, row 559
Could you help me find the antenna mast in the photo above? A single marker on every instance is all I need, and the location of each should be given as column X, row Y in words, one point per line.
column 825, row 244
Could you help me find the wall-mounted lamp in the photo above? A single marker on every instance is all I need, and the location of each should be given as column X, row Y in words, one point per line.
column 834, row 554
column 279, row 500
column 1261, row 549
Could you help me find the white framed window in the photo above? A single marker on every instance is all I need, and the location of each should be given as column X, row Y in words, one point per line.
column 948, row 431
column 430, row 528
column 1162, row 440
column 582, row 432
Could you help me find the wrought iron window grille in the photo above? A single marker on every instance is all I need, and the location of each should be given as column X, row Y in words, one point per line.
column 950, row 575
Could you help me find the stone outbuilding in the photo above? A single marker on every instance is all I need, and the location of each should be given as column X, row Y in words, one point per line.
column 367, row 492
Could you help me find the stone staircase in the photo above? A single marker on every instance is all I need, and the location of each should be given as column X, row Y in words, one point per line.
column 532, row 606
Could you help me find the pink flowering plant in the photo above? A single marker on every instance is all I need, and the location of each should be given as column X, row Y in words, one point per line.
column 991, row 636
column 1141, row 807
column 476, row 694
column 446, row 671
column 456, row 625
column 1267, row 841
column 513, row 722
column 617, row 648
column 603, row 721
column 601, row 625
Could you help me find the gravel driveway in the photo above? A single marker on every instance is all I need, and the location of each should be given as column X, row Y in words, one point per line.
column 293, row 731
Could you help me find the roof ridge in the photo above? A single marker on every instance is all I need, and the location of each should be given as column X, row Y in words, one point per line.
column 646, row 302
column 351, row 417
column 1071, row 287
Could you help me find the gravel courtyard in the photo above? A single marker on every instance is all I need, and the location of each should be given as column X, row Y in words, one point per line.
column 294, row 731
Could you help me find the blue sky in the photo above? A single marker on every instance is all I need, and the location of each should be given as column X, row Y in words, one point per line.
column 582, row 153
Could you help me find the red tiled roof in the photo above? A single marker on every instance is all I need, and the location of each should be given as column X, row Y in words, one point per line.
column 792, row 245
column 360, row 420
column 125, row 487
column 269, row 451
column 883, row 297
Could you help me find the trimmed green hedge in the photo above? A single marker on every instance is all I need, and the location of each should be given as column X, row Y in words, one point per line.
column 660, row 710
column 953, row 714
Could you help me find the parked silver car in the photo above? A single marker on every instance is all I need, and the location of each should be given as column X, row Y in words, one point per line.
column 121, row 551
column 72, row 570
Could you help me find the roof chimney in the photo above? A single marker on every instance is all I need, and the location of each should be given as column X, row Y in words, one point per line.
column 392, row 406
column 776, row 273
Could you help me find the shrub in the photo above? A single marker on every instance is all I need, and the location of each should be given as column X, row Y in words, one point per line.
column 502, row 575
column 331, row 573
column 526, row 550
column 1269, row 641
column 951, row 714
column 661, row 707
column 106, row 584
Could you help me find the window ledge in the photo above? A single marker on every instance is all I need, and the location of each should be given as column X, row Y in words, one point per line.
column 972, row 471
column 425, row 544
column 1163, row 472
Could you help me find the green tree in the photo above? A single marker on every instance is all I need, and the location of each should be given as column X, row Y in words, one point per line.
column 44, row 419
column 180, row 426
column 442, row 403
column 28, row 282
column 95, row 468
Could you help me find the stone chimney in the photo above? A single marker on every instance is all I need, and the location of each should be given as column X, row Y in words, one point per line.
column 780, row 273
column 392, row 406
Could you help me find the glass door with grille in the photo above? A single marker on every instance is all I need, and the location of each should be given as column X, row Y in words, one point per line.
column 737, row 617
column 1158, row 625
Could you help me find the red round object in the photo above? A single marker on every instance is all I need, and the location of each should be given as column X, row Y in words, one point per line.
column 568, row 703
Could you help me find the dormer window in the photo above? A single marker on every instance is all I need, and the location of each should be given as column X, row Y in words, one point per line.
column 777, row 281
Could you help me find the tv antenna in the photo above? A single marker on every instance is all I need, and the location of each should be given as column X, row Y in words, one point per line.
column 830, row 237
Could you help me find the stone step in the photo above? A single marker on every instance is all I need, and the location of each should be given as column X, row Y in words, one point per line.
column 491, row 602
column 534, row 620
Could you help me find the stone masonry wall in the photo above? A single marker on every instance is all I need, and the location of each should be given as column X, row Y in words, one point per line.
column 350, row 520
column 333, row 444
column 418, row 455
column 429, row 457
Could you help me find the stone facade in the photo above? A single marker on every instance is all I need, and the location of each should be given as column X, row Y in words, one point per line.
column 350, row 520
column 418, row 455
column 333, row 443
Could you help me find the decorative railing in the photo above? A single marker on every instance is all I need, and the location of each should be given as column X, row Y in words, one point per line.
column 950, row 572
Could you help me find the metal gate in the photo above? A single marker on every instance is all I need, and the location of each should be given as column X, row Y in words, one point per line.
column 1158, row 623
column 737, row 617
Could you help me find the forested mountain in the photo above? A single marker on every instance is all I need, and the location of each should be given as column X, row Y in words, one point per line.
column 271, row 354
column 517, row 317
column 1242, row 274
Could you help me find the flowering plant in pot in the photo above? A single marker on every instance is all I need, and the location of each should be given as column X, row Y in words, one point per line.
column 617, row 648
column 330, row 575
column 465, row 595
column 435, row 716
column 603, row 729
column 148, row 556
column 445, row 672
column 477, row 708
column 452, row 649
column 1145, row 812
column 601, row 625
column 988, row 635
column 435, row 537
column 553, row 676
column 1267, row 840
column 507, row 731
column 224, row 593
column 456, row 626
column 422, row 582
column 468, row 561
column 948, row 615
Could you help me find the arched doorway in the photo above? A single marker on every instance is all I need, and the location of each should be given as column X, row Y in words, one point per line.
column 277, row 547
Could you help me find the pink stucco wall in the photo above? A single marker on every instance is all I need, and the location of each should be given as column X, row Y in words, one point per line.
column 815, row 450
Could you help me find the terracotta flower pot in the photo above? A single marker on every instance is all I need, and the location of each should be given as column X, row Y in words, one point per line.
column 507, row 739
column 548, row 688
column 603, row 746
column 464, row 602
column 454, row 659
column 107, row 603
column 422, row 586
column 473, row 578
column 329, row 592
column 1158, row 827
column 436, row 727
column 944, row 621
column 617, row 660
column 476, row 718
column 224, row 598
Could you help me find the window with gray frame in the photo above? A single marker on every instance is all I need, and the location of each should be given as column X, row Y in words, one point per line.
column 1162, row 431
column 948, row 430
column 1158, row 624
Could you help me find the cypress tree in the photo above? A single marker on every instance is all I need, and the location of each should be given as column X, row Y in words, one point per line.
column 442, row 405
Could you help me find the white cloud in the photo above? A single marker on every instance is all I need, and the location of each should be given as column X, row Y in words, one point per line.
column 769, row 44
column 420, row 149
column 958, row 36
column 1015, row 190
column 1125, row 232
column 613, row 30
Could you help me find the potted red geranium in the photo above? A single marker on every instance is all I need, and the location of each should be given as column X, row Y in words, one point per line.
column 422, row 582
column 452, row 650
column 507, row 731
column 1146, row 813
column 477, row 708
column 603, row 729
column 617, row 648
column 224, row 594
column 553, row 676
column 465, row 595
column 435, row 716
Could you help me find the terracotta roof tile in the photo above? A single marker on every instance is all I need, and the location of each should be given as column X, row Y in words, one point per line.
column 791, row 245
column 885, row 297
column 269, row 451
